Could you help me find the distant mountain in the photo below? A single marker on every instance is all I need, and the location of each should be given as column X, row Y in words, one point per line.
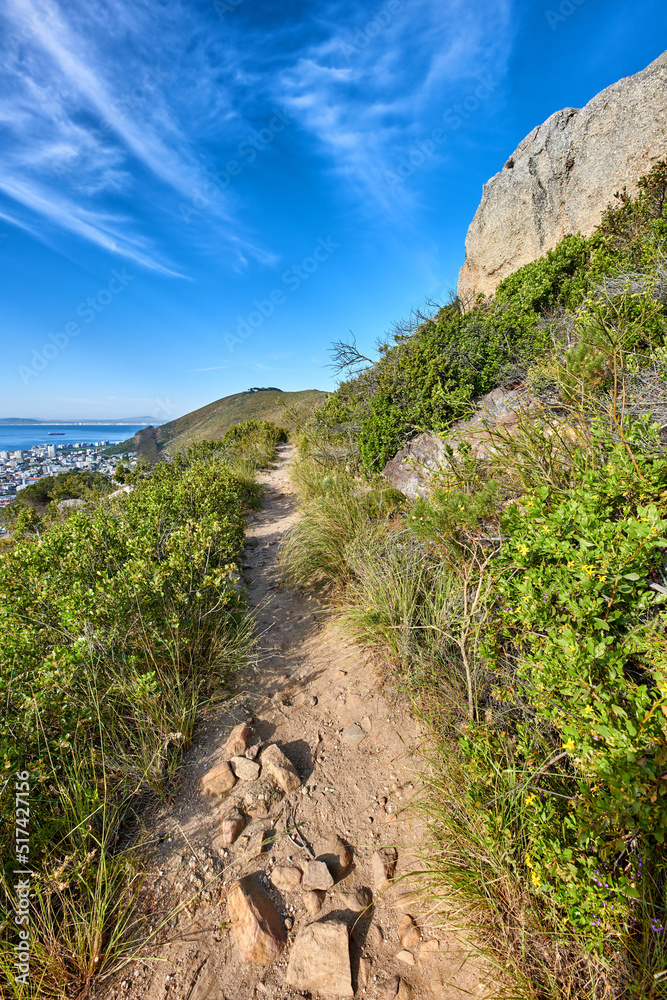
column 210, row 422
column 18, row 420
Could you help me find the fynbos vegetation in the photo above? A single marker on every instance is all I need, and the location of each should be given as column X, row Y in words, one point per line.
column 116, row 620
column 521, row 602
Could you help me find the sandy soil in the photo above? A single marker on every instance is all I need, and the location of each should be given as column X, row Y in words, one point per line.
column 306, row 688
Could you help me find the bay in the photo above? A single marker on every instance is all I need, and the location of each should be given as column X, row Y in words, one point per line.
column 21, row 437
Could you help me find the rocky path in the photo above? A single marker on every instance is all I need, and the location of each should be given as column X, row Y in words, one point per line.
column 282, row 882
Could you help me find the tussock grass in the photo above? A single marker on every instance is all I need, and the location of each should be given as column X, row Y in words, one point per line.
column 337, row 511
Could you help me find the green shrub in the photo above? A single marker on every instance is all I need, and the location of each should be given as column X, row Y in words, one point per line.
column 113, row 624
column 579, row 640
column 78, row 484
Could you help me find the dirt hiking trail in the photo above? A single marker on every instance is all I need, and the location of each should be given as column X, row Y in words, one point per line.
column 350, row 738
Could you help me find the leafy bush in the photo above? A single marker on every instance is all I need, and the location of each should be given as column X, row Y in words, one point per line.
column 78, row 484
column 113, row 624
column 578, row 646
column 551, row 307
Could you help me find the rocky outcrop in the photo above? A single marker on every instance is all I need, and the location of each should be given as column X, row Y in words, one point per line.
column 411, row 470
column 563, row 175
column 146, row 445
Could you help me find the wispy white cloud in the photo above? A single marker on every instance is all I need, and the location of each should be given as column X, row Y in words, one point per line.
column 379, row 80
column 114, row 115
column 99, row 108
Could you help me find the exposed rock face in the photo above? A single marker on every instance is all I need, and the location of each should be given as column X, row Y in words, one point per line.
column 238, row 740
column 411, row 469
column 384, row 866
column 564, row 176
column 316, row 875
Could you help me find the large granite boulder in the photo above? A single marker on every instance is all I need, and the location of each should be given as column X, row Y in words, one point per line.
column 563, row 175
column 411, row 470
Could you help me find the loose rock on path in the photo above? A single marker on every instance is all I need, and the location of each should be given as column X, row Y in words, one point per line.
column 278, row 854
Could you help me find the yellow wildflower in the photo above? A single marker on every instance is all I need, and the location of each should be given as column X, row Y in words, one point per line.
column 523, row 549
column 588, row 710
column 569, row 745
column 530, row 799
column 534, row 877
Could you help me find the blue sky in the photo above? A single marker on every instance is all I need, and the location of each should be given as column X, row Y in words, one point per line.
column 200, row 197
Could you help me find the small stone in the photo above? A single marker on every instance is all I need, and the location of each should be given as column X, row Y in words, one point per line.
column 384, row 866
column 356, row 901
column 238, row 740
column 313, row 902
column 366, row 724
column 335, row 855
column 280, row 768
column 404, row 991
column 408, row 932
column 375, row 937
column 354, row 734
column 407, row 957
column 429, row 947
column 286, row 879
column 251, row 752
column 364, row 973
column 316, row 875
column 218, row 781
column 289, row 923
column 388, row 988
column 258, row 929
column 313, row 700
column 320, row 959
column 244, row 769
column 232, row 826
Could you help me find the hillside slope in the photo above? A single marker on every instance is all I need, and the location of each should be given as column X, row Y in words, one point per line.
column 211, row 421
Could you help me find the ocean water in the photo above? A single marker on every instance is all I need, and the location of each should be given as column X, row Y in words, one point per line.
column 23, row 436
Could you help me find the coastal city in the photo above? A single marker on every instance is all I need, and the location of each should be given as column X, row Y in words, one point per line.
column 19, row 469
